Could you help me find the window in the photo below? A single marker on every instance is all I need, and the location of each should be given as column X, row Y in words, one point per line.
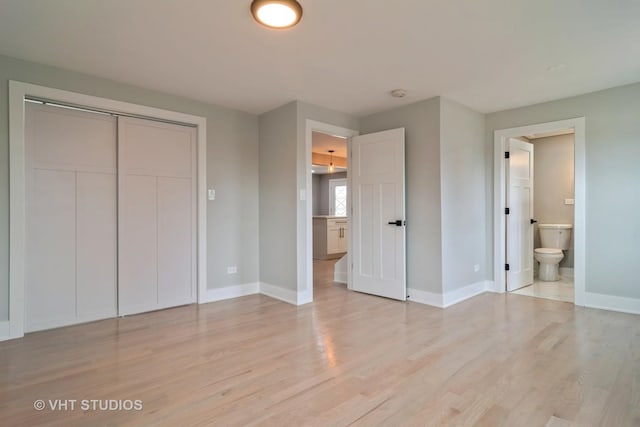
column 338, row 197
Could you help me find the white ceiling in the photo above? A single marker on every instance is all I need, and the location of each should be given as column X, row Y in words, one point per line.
column 345, row 55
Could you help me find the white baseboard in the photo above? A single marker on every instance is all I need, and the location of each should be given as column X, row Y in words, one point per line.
column 566, row 271
column 611, row 302
column 493, row 287
column 424, row 297
column 279, row 293
column 450, row 298
column 340, row 277
column 464, row 293
column 5, row 330
column 232, row 292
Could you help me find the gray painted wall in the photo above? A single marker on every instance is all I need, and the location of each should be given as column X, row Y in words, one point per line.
column 232, row 164
column 323, row 206
column 612, row 177
column 278, row 196
column 553, row 182
column 464, row 198
column 422, row 144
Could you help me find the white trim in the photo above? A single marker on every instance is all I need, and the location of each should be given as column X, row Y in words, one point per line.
column 424, row 297
column 450, row 298
column 4, row 330
column 17, row 93
column 305, row 240
column 579, row 228
column 464, row 293
column 282, row 294
column 233, row 292
column 566, row 271
column 612, row 302
column 340, row 277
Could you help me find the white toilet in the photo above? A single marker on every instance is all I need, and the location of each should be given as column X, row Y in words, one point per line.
column 554, row 238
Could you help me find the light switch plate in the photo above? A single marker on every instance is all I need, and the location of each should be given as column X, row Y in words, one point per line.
column 303, row 195
column 569, row 201
column 211, row 194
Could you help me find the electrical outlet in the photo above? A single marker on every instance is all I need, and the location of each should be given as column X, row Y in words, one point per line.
column 211, row 194
column 569, row 201
column 232, row 270
column 476, row 268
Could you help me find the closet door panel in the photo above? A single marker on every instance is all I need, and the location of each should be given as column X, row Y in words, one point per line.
column 158, row 149
column 51, row 257
column 174, row 241
column 138, row 245
column 73, row 140
column 96, row 245
column 162, row 156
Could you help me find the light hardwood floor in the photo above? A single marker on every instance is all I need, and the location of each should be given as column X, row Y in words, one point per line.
column 347, row 359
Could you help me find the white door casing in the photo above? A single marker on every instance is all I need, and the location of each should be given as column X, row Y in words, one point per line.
column 378, row 200
column 519, row 199
column 157, row 215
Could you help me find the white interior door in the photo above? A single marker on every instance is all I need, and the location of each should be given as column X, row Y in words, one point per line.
column 520, row 204
column 71, row 217
column 378, row 201
column 157, row 215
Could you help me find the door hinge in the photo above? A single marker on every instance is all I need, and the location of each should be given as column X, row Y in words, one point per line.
column 506, row 267
column 506, row 154
column 506, row 211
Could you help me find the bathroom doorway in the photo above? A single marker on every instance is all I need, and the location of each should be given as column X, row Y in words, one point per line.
column 536, row 202
column 540, row 250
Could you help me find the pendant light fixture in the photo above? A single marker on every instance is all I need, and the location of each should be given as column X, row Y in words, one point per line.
column 331, row 168
column 278, row 14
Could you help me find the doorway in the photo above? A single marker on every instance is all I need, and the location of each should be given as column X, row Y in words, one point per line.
column 330, row 191
column 521, row 212
column 540, row 198
column 375, row 224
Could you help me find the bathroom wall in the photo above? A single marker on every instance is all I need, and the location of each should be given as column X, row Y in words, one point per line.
column 553, row 182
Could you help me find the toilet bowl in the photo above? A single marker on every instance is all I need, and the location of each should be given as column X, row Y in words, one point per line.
column 549, row 260
column 554, row 238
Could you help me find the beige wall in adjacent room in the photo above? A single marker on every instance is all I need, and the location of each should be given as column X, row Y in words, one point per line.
column 553, row 182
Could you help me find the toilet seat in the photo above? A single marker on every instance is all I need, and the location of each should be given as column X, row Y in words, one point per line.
column 548, row 251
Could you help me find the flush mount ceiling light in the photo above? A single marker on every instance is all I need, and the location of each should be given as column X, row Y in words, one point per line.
column 278, row 14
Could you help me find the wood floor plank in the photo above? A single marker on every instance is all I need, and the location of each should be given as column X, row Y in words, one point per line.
column 346, row 359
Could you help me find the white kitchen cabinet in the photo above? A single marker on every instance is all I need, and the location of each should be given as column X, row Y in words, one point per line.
column 330, row 237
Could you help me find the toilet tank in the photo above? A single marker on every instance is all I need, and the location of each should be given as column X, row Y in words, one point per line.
column 555, row 236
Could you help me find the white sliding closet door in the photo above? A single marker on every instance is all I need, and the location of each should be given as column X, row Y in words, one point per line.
column 71, row 217
column 157, row 215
